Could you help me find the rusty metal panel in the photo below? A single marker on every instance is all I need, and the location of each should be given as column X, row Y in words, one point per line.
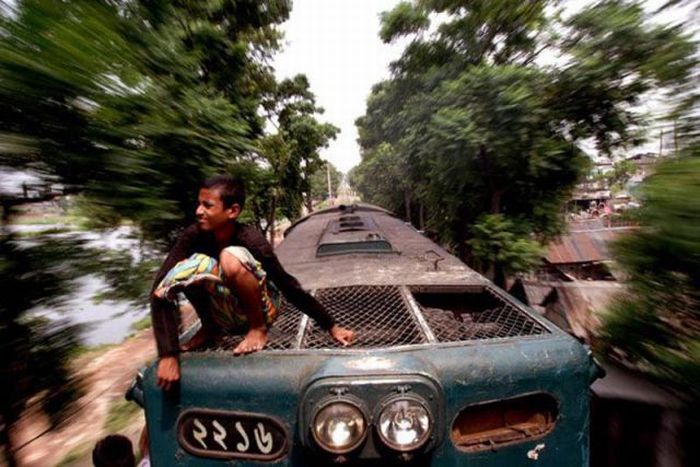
column 468, row 317
column 583, row 246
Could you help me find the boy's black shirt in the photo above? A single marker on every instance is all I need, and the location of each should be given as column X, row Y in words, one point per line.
column 194, row 240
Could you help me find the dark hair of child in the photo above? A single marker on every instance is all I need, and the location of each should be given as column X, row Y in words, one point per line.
column 230, row 189
column 113, row 451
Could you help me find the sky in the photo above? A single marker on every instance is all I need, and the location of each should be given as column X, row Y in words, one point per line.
column 336, row 44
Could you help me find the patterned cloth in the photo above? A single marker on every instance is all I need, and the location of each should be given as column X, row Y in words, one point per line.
column 200, row 270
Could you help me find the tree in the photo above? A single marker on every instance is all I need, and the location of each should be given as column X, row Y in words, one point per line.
column 621, row 173
column 471, row 124
column 319, row 182
column 34, row 352
column 655, row 324
column 130, row 104
column 156, row 96
column 497, row 242
column 293, row 152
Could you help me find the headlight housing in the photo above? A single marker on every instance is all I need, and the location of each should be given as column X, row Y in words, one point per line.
column 339, row 427
column 404, row 424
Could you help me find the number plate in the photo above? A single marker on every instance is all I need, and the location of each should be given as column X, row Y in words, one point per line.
column 222, row 434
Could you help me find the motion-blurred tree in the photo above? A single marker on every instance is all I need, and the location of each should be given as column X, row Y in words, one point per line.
column 655, row 325
column 135, row 103
column 476, row 125
column 621, row 173
column 131, row 103
column 34, row 352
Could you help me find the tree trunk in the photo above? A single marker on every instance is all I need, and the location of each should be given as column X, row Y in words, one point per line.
column 407, row 204
column 499, row 275
column 309, row 203
column 271, row 221
column 496, row 196
column 421, row 216
column 6, row 439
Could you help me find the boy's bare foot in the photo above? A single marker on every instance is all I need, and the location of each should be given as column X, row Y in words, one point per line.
column 199, row 340
column 254, row 340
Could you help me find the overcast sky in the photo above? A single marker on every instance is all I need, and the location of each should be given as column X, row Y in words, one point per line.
column 336, row 44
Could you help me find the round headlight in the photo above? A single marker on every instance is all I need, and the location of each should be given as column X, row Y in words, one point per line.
column 339, row 427
column 404, row 425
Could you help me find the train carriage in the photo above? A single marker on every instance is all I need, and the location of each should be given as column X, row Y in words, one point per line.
column 446, row 369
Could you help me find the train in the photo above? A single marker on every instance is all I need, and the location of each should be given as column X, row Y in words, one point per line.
column 446, row 369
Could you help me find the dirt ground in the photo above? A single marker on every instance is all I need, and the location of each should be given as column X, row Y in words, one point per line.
column 107, row 377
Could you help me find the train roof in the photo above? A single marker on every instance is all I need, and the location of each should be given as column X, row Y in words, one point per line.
column 367, row 245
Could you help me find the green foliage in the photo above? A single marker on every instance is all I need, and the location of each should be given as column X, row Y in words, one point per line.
column 470, row 124
column 496, row 240
column 293, row 152
column 620, row 174
column 127, row 278
column 143, row 323
column 121, row 414
column 656, row 324
column 403, row 19
column 74, row 457
column 379, row 176
column 35, row 352
column 133, row 104
column 319, row 182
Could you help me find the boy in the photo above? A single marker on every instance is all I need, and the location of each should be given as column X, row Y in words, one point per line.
column 214, row 258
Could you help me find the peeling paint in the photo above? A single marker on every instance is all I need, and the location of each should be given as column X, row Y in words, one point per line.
column 534, row 454
column 370, row 363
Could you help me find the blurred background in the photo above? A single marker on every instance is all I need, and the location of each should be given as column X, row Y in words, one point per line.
column 553, row 146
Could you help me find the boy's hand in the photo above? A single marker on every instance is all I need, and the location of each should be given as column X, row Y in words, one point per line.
column 168, row 372
column 342, row 335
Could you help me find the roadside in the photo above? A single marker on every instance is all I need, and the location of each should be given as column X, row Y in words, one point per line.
column 107, row 375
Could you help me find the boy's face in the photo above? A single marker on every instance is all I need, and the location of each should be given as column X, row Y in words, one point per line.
column 211, row 213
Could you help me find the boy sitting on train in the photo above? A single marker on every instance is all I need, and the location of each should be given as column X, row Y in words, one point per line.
column 231, row 275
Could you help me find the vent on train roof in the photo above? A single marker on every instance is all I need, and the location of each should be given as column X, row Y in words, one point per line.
column 352, row 233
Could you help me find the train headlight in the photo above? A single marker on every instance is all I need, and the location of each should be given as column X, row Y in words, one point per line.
column 339, row 427
column 404, row 425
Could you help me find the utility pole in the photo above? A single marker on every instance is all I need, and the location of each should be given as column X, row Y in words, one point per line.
column 661, row 143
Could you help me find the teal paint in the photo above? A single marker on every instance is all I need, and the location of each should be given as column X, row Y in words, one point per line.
column 276, row 384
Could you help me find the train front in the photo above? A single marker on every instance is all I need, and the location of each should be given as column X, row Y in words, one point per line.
column 445, row 371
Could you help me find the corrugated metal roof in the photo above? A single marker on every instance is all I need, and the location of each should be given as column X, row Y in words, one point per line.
column 535, row 292
column 583, row 246
column 583, row 301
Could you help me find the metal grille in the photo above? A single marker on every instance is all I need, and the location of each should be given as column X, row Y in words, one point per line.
column 378, row 315
column 498, row 322
column 281, row 336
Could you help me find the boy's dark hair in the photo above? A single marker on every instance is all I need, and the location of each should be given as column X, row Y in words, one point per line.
column 230, row 189
column 113, row 451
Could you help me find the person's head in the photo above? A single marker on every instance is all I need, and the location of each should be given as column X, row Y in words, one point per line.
column 221, row 199
column 113, row 451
